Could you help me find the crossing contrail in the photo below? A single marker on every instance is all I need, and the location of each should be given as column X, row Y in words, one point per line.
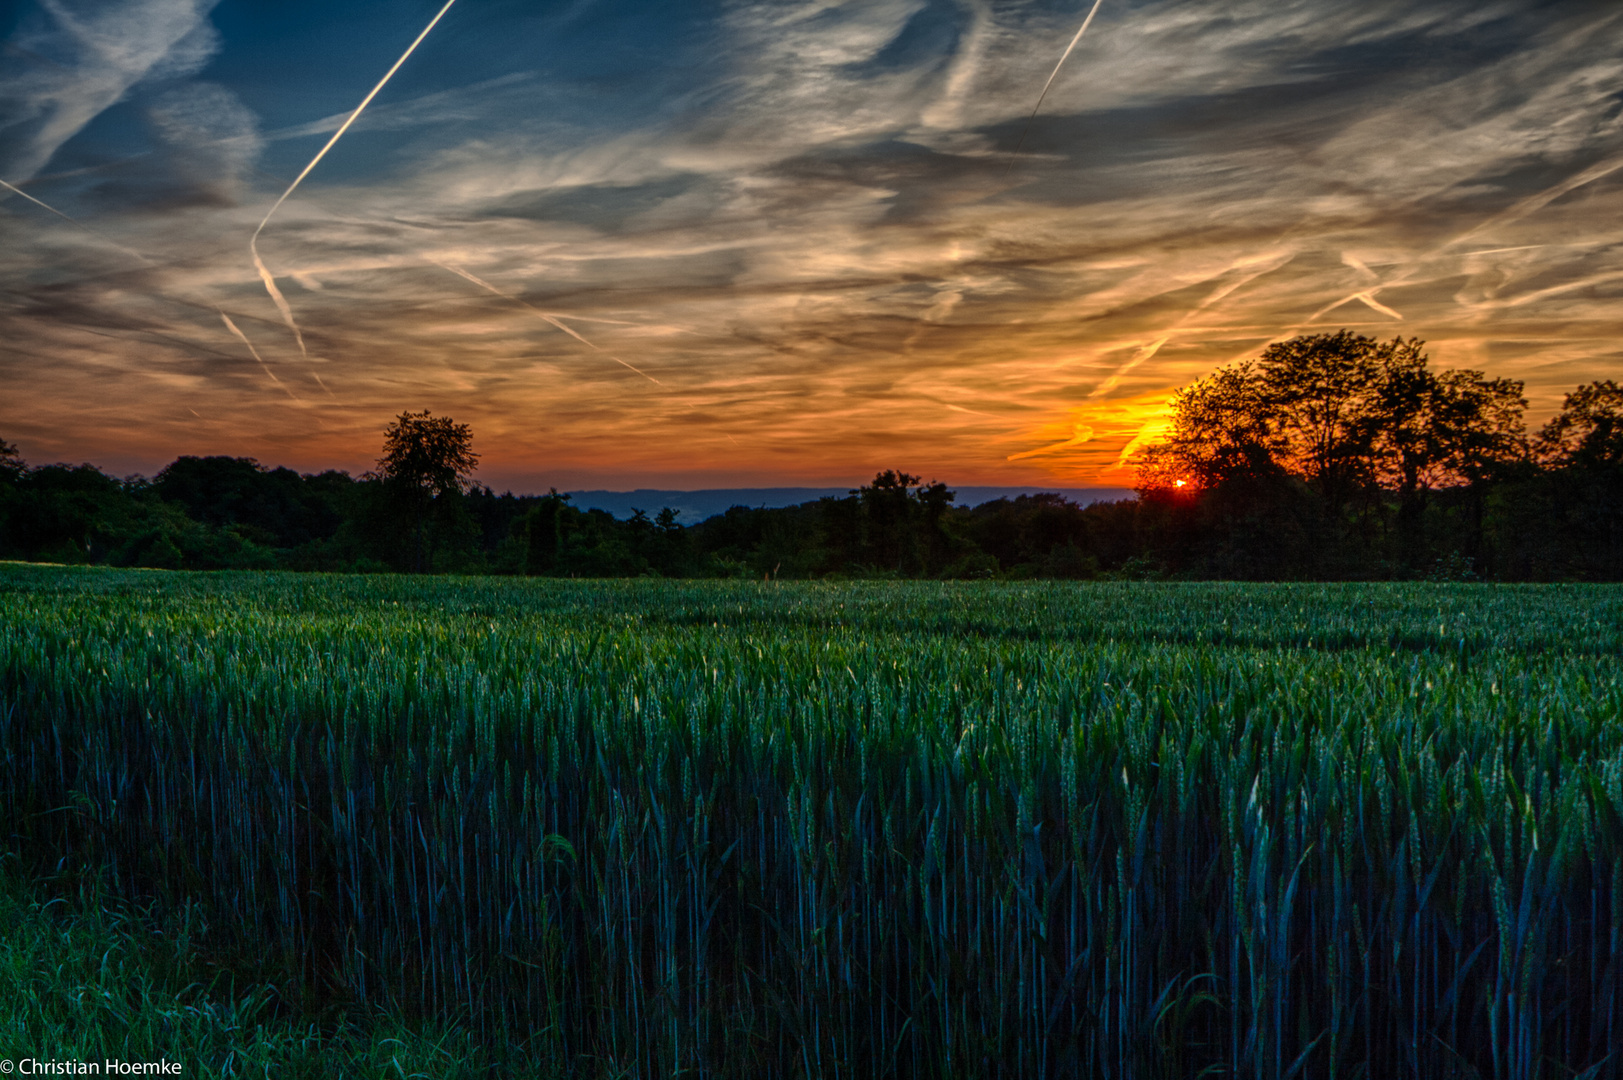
column 1052, row 76
column 1143, row 354
column 1081, row 435
column 1520, row 210
column 231, row 326
column 253, row 242
column 552, row 320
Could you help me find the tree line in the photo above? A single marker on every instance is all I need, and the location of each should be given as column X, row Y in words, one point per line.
column 1339, row 456
column 1327, row 457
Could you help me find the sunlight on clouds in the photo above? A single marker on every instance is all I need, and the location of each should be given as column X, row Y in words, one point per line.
column 817, row 255
column 1095, row 442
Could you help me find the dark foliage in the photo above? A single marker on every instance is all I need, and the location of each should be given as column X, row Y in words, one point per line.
column 275, row 508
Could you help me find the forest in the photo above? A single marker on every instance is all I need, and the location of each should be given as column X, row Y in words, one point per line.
column 1327, row 457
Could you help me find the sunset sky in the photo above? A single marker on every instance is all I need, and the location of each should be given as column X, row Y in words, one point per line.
column 764, row 243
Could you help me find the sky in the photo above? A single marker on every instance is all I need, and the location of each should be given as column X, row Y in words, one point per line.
column 709, row 244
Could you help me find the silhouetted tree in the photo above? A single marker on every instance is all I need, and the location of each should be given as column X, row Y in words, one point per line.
column 1222, row 429
column 1588, row 431
column 432, row 453
column 1578, row 528
column 1320, row 393
column 1030, row 535
column 12, row 465
column 674, row 554
column 546, row 529
column 933, row 501
column 73, row 514
column 886, row 510
column 12, row 469
column 1215, row 490
column 499, row 518
column 427, row 462
column 901, row 522
column 272, row 507
column 1432, row 430
column 1283, row 464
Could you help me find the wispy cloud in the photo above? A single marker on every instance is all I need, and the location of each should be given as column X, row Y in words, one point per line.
column 212, row 139
column 69, row 60
column 805, row 232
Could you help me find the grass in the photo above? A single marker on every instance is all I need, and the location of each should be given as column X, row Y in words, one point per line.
column 87, row 976
column 640, row 828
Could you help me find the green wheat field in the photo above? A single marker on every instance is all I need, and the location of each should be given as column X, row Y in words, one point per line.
column 647, row 828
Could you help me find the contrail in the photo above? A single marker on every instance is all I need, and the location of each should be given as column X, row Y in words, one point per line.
column 1081, row 434
column 137, row 255
column 1149, row 431
column 36, row 202
column 1522, row 209
column 253, row 242
column 1366, row 297
column 231, row 326
column 1253, row 267
column 552, row 320
column 1051, row 77
column 1144, row 353
column 1258, row 265
column 74, row 221
column 1554, row 290
column 1369, row 301
column 1349, row 259
column 1534, row 203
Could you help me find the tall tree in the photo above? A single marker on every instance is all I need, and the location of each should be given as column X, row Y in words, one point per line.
column 1582, row 449
column 546, row 529
column 1222, row 428
column 1322, row 392
column 887, row 514
column 1588, row 430
column 1216, row 484
column 1437, row 430
column 12, row 471
column 901, row 521
column 428, row 461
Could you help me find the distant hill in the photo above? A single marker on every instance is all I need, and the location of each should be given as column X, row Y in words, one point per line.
column 693, row 507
